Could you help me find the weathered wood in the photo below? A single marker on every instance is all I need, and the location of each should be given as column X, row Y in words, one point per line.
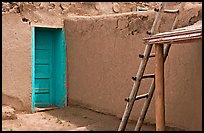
column 147, row 102
column 148, row 76
column 167, row 46
column 139, row 74
column 142, row 96
column 167, row 11
column 159, row 90
column 145, row 107
column 178, row 38
column 142, row 56
column 152, row 86
column 160, row 125
column 157, row 19
column 174, row 33
column 38, row 109
column 171, row 11
column 135, row 88
column 127, row 99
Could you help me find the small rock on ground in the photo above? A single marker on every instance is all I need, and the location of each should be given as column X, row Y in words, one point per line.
column 8, row 113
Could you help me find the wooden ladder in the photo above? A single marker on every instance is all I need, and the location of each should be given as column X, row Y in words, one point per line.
column 139, row 76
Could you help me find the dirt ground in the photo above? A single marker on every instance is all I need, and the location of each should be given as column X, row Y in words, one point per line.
column 71, row 118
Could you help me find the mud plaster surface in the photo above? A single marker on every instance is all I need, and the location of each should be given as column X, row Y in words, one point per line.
column 103, row 56
column 16, row 60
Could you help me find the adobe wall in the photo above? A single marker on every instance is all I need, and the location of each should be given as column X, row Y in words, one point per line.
column 16, row 52
column 16, row 56
column 16, row 62
column 103, row 56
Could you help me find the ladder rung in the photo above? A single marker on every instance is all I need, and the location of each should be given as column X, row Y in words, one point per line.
column 145, row 76
column 148, row 76
column 167, row 11
column 142, row 56
column 142, row 96
column 127, row 99
column 171, row 11
column 152, row 55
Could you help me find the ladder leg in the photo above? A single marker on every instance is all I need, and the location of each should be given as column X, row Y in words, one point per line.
column 140, row 72
column 135, row 88
column 145, row 107
column 167, row 46
column 151, row 92
column 152, row 87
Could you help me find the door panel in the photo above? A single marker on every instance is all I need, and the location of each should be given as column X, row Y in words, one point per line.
column 43, row 45
column 42, row 99
column 42, row 85
column 43, row 69
column 43, row 56
column 42, row 61
column 42, row 53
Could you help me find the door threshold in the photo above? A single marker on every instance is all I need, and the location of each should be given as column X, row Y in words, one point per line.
column 42, row 109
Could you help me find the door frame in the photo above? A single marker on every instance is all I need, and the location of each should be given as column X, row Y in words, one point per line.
column 64, row 58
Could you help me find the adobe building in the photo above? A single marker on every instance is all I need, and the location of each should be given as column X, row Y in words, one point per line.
column 90, row 61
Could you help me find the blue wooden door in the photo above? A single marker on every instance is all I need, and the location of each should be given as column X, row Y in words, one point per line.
column 43, row 69
column 48, row 68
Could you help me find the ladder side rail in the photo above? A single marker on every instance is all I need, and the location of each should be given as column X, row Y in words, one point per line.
column 167, row 46
column 140, row 72
column 152, row 86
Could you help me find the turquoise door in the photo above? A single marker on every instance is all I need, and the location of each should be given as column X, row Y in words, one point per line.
column 48, row 68
column 43, row 69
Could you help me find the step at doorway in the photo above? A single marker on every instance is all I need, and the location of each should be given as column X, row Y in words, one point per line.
column 49, row 87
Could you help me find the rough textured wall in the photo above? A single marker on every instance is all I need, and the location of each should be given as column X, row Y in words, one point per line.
column 103, row 56
column 16, row 62
column 16, row 54
column 77, row 8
